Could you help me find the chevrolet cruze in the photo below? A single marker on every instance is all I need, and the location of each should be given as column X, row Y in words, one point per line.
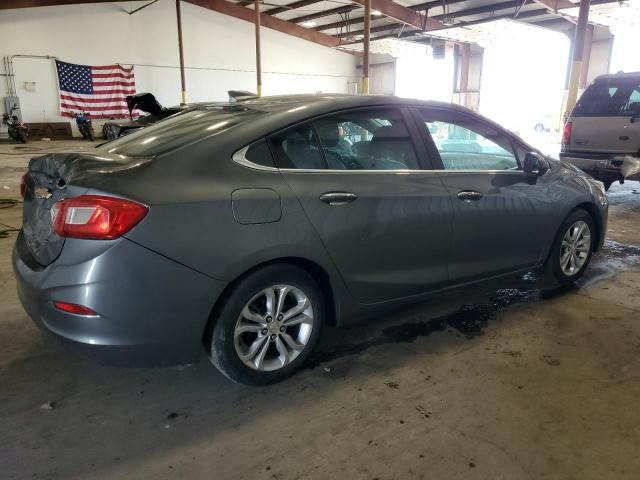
column 246, row 227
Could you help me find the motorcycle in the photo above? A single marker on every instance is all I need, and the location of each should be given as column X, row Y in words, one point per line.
column 84, row 125
column 19, row 131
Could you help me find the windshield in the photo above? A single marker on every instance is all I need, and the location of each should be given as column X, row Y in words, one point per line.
column 610, row 97
column 178, row 130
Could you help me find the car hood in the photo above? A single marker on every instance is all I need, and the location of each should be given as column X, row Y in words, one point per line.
column 145, row 102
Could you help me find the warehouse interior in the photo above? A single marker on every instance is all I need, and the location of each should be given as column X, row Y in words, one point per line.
column 507, row 378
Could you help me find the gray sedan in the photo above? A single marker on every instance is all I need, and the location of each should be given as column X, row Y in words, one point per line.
column 245, row 227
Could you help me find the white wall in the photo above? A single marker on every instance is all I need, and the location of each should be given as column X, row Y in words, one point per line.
column 219, row 53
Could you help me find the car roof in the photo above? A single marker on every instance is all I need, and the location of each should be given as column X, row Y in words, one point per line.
column 331, row 102
column 618, row 75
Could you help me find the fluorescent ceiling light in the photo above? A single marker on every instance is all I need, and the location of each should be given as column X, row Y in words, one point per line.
column 376, row 13
column 309, row 24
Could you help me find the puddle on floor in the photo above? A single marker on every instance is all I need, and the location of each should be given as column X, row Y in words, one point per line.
column 472, row 319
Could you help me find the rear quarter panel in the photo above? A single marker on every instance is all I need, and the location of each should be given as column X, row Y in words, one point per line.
column 191, row 218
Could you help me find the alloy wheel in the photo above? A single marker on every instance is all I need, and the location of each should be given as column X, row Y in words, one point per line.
column 575, row 248
column 273, row 328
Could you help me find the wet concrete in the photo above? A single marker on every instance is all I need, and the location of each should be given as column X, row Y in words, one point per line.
column 513, row 379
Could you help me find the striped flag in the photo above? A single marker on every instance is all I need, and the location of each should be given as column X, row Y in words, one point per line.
column 99, row 91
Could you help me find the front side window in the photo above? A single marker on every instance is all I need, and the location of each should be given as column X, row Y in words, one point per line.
column 466, row 143
column 366, row 140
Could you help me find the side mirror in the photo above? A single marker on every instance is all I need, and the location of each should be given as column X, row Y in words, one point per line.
column 535, row 165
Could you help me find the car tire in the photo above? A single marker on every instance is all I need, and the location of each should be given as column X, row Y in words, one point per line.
column 233, row 350
column 572, row 251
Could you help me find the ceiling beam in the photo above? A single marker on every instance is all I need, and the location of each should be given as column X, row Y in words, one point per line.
column 420, row 6
column 402, row 14
column 459, row 14
column 555, row 5
column 291, row 6
column 410, row 32
column 7, row 4
column 323, row 13
column 237, row 11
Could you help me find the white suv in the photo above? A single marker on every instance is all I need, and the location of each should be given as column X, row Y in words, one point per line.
column 602, row 134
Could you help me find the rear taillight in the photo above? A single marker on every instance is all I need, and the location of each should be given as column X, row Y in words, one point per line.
column 96, row 217
column 75, row 309
column 23, row 184
column 566, row 133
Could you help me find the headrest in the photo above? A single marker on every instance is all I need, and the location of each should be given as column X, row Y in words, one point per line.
column 328, row 133
column 397, row 130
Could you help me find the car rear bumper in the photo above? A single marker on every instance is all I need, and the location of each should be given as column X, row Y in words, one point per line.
column 151, row 310
column 601, row 166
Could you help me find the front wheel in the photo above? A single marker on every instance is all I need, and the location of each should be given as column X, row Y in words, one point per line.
column 573, row 247
column 90, row 133
column 22, row 135
column 267, row 326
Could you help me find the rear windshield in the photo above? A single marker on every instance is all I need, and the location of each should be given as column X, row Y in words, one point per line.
column 612, row 97
column 178, row 130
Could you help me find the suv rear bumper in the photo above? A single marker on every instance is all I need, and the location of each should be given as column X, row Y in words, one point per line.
column 600, row 166
column 151, row 310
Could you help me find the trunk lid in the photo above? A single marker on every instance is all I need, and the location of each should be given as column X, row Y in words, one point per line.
column 54, row 177
column 606, row 135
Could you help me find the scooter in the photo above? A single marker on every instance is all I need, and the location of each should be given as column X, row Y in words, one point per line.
column 84, row 125
column 19, row 131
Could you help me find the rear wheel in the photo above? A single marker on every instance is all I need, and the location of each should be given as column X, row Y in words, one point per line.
column 267, row 326
column 573, row 247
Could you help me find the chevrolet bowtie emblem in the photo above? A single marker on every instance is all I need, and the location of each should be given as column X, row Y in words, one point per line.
column 42, row 193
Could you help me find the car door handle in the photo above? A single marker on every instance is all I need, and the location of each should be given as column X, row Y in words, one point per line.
column 469, row 195
column 338, row 198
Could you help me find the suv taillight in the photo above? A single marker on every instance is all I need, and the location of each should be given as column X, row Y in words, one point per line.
column 96, row 217
column 566, row 133
column 23, row 184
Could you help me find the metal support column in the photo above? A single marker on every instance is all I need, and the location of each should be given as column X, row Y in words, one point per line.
column 578, row 53
column 367, row 40
column 464, row 73
column 256, row 8
column 182, row 76
column 588, row 42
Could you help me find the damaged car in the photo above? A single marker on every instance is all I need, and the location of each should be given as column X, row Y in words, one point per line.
column 242, row 229
column 154, row 111
column 145, row 103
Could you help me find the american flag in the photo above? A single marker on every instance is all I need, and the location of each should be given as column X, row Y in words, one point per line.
column 99, row 91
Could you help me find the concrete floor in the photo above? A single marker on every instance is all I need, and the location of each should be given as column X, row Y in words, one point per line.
column 518, row 385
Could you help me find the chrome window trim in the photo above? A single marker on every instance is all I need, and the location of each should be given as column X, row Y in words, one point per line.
column 240, row 158
column 403, row 171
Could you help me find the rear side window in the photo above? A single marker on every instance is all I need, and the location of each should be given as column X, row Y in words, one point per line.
column 177, row 131
column 367, row 139
column 259, row 154
column 297, row 147
column 613, row 97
